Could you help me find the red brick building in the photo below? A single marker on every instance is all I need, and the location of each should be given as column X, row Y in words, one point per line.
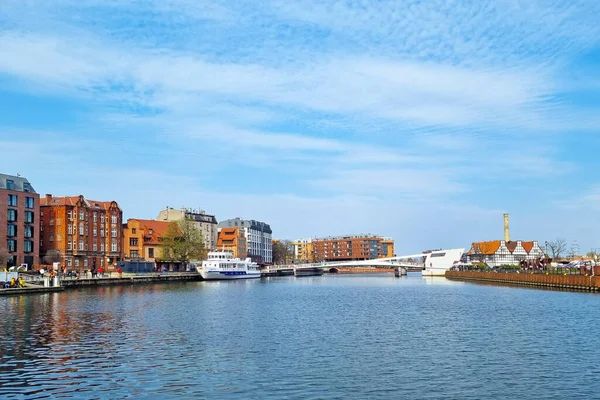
column 19, row 221
column 87, row 233
column 347, row 248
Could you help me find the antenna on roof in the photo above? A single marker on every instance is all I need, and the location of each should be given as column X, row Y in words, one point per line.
column 18, row 174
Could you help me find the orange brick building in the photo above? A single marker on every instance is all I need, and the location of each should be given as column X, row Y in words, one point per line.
column 348, row 248
column 233, row 239
column 87, row 233
column 142, row 239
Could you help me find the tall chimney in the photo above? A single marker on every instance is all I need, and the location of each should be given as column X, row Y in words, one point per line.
column 506, row 229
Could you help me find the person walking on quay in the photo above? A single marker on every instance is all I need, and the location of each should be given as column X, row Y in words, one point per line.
column 101, row 272
column 93, row 272
column 119, row 272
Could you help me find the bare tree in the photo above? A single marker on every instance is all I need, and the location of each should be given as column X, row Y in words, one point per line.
column 52, row 256
column 557, row 247
column 4, row 257
column 283, row 252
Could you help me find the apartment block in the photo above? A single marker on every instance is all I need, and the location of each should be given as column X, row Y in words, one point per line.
column 142, row 240
column 348, row 248
column 258, row 237
column 86, row 233
column 20, row 216
column 205, row 223
column 303, row 250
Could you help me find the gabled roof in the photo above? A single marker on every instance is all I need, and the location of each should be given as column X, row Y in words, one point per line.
column 511, row 245
column 50, row 200
column 487, row 248
column 527, row 246
column 152, row 229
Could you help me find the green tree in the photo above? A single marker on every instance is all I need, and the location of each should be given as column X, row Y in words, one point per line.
column 4, row 257
column 182, row 242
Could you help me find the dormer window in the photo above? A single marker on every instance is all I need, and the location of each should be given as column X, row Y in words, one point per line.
column 10, row 184
column 26, row 187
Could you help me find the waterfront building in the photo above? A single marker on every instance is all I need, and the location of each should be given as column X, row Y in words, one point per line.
column 85, row 233
column 233, row 240
column 258, row 237
column 20, row 226
column 205, row 223
column 501, row 252
column 347, row 248
column 303, row 250
column 142, row 241
column 387, row 247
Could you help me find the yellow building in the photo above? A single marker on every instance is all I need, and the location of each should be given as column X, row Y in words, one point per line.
column 303, row 250
column 387, row 247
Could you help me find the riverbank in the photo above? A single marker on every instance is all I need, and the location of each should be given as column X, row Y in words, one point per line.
column 574, row 282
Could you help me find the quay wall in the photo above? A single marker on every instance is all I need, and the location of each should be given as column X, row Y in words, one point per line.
column 579, row 282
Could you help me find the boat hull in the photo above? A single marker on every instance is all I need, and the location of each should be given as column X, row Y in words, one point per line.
column 227, row 275
column 308, row 272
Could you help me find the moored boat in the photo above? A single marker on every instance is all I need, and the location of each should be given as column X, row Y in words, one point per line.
column 310, row 271
column 220, row 265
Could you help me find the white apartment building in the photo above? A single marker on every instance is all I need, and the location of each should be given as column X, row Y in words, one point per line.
column 207, row 224
column 258, row 237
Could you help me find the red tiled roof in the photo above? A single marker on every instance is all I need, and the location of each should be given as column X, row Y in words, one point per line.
column 72, row 201
column 511, row 245
column 485, row 247
column 158, row 228
column 527, row 246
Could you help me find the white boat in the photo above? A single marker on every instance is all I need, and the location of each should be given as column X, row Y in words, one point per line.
column 220, row 265
column 439, row 261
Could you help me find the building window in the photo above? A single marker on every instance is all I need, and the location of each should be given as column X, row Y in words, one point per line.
column 81, row 245
column 28, row 202
column 69, row 262
column 12, row 215
column 95, row 247
column 77, row 262
column 28, row 246
column 85, row 262
column 26, row 187
column 151, row 252
column 102, row 246
column 134, row 254
column 12, row 245
column 12, row 231
column 69, row 245
column 81, row 215
column 28, row 231
column 29, row 217
column 86, row 246
column 12, row 200
column 70, row 229
column 102, row 218
column 113, row 219
column 70, row 215
column 133, row 241
column 95, row 232
column 101, row 232
column 133, row 231
column 81, row 228
column 114, row 232
column 113, row 246
column 10, row 184
column 95, row 217
column 51, row 238
column 86, row 230
column 102, row 262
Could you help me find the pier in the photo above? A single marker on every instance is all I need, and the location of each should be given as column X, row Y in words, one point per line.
column 572, row 282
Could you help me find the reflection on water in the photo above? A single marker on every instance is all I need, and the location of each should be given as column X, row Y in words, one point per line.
column 346, row 336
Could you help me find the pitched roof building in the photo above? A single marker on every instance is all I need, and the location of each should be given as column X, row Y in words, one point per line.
column 499, row 252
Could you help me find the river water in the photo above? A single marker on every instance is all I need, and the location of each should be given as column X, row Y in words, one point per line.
column 330, row 337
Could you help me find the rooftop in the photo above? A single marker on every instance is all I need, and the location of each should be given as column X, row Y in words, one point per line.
column 16, row 183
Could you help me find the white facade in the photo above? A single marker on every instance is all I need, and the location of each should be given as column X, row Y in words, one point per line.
column 500, row 252
column 207, row 224
column 258, row 237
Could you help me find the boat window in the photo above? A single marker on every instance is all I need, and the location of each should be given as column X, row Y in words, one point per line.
column 438, row 255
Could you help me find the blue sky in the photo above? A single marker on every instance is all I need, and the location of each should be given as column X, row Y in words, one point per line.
column 417, row 120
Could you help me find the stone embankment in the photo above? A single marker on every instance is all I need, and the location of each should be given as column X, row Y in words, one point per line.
column 572, row 282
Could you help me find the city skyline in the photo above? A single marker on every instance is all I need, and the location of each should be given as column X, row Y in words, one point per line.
column 414, row 122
